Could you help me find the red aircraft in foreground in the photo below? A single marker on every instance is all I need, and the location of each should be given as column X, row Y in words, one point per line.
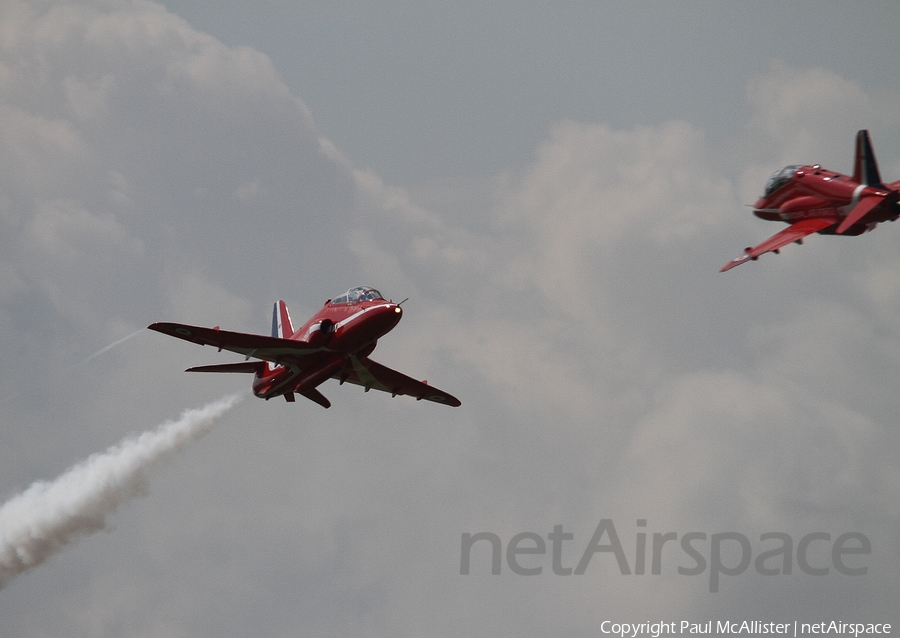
column 814, row 200
column 335, row 343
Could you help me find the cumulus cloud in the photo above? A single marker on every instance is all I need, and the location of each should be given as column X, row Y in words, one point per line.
column 170, row 140
column 803, row 115
column 149, row 172
column 588, row 276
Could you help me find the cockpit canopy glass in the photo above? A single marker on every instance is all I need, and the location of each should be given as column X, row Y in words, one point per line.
column 360, row 293
column 779, row 178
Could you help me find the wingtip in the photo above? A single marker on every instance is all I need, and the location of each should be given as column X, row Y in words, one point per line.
column 158, row 326
column 737, row 261
column 443, row 398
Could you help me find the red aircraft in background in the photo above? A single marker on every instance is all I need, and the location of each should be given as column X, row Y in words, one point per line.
column 814, row 200
column 335, row 343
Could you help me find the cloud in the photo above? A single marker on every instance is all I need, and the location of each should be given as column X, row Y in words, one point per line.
column 118, row 108
column 150, row 172
column 787, row 99
column 809, row 115
column 581, row 316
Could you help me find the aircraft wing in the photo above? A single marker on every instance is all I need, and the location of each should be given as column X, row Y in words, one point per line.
column 794, row 232
column 374, row 376
column 259, row 346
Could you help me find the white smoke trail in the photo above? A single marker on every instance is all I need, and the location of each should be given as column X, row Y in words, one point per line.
column 48, row 515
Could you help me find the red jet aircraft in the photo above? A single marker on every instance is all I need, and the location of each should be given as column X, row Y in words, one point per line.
column 335, row 343
column 814, row 200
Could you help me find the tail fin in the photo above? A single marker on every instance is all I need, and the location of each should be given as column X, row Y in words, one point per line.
column 865, row 167
column 281, row 321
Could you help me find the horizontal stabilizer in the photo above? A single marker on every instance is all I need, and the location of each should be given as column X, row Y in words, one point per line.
column 244, row 366
column 314, row 395
column 863, row 208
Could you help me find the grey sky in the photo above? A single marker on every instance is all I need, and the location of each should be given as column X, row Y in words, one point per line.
column 420, row 91
column 555, row 188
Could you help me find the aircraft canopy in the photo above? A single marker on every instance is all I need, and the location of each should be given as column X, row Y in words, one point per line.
column 360, row 293
column 779, row 178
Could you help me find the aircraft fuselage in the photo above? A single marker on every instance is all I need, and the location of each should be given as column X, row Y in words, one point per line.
column 811, row 199
column 815, row 192
column 335, row 343
column 338, row 331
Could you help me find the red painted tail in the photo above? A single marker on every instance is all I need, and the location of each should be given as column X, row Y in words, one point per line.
column 281, row 321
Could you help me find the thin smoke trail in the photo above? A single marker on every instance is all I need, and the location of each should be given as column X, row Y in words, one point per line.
column 49, row 515
column 80, row 363
column 104, row 349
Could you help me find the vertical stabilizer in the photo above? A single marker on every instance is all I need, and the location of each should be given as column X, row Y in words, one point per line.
column 865, row 167
column 281, row 321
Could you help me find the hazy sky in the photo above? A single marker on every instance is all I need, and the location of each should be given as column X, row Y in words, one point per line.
column 554, row 187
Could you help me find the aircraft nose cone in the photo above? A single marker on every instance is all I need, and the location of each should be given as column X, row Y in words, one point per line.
column 387, row 317
column 760, row 208
column 374, row 322
column 384, row 318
